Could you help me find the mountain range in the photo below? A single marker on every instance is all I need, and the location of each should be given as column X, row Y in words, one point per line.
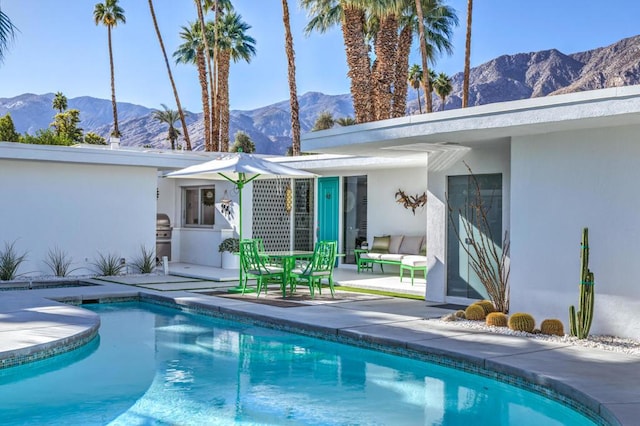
column 508, row 77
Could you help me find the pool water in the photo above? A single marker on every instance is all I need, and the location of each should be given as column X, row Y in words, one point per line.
column 157, row 366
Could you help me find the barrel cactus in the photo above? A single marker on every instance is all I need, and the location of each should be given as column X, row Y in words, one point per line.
column 552, row 327
column 497, row 319
column 460, row 314
column 474, row 312
column 487, row 305
column 522, row 322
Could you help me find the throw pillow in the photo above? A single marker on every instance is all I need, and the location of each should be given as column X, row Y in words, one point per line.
column 380, row 244
column 410, row 245
column 394, row 243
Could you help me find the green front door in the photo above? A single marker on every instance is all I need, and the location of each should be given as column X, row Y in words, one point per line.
column 328, row 214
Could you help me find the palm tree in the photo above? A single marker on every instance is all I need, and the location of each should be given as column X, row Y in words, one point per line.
column 385, row 46
column 110, row 14
column 169, row 117
column 324, row 121
column 234, row 44
column 424, row 55
column 293, row 92
column 173, row 83
column 7, row 33
column 415, row 79
column 442, row 86
column 346, row 121
column 351, row 16
column 439, row 22
column 192, row 51
column 467, row 57
column 60, row 102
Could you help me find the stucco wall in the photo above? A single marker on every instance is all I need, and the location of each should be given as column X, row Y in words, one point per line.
column 384, row 215
column 82, row 209
column 562, row 182
column 199, row 245
column 488, row 158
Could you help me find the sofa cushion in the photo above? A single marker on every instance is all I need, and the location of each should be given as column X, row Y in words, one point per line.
column 414, row 260
column 380, row 244
column 394, row 243
column 392, row 256
column 370, row 255
column 411, row 245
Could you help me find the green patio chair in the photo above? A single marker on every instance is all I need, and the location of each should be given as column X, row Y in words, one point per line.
column 254, row 267
column 320, row 267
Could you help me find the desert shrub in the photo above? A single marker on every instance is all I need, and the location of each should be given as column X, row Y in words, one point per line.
column 59, row 262
column 107, row 265
column 10, row 261
column 145, row 263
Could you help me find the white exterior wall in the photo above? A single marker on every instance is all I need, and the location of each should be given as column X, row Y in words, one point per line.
column 384, row 215
column 491, row 158
column 562, row 182
column 199, row 245
column 84, row 210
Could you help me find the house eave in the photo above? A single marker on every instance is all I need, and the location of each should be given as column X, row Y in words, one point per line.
column 471, row 126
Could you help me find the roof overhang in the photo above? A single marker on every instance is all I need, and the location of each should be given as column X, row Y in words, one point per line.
column 453, row 130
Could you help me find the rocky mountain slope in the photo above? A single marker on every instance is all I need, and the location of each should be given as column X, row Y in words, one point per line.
column 508, row 77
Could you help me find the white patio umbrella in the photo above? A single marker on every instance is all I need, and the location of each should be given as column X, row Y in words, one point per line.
column 239, row 169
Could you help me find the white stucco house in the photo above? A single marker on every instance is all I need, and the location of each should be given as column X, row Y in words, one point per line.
column 552, row 165
column 90, row 201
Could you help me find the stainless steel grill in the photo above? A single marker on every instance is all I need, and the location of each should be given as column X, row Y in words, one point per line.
column 163, row 236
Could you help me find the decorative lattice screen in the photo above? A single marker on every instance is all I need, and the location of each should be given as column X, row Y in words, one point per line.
column 271, row 221
column 270, row 218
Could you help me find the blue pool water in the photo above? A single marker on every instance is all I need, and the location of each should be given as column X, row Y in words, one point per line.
column 159, row 366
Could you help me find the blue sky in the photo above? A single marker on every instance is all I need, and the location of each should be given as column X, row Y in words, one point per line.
column 59, row 48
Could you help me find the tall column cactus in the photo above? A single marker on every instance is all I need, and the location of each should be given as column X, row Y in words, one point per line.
column 581, row 321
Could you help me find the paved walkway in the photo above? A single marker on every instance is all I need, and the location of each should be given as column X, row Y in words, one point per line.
column 608, row 383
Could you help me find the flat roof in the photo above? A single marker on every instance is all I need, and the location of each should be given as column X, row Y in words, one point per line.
column 466, row 127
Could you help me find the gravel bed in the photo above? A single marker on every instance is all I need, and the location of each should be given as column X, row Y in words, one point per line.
column 609, row 343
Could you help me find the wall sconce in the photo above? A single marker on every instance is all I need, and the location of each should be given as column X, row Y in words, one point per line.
column 288, row 198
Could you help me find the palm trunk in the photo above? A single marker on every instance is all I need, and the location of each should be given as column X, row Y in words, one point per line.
column 223, row 97
column 400, row 86
column 173, row 84
column 467, row 57
column 443, row 99
column 419, row 105
column 207, row 100
column 423, row 50
column 204, row 93
column 293, row 92
column 116, row 130
column 215, row 96
column 385, row 49
column 358, row 61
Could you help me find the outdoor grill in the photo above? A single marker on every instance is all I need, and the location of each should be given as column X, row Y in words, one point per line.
column 163, row 236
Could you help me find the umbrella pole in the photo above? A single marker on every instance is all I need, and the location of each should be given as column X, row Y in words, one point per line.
column 240, row 185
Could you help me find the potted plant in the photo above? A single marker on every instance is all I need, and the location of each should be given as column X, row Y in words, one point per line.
column 230, row 247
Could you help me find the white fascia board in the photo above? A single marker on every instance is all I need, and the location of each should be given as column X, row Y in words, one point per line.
column 597, row 108
column 162, row 160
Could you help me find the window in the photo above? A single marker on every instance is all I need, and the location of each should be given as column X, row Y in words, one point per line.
column 199, row 206
column 354, row 215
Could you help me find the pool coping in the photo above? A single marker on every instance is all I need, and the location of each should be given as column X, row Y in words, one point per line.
column 495, row 356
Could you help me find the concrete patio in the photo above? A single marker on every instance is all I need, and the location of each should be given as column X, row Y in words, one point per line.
column 34, row 324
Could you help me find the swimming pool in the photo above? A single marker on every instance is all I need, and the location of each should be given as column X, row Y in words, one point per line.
column 155, row 365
